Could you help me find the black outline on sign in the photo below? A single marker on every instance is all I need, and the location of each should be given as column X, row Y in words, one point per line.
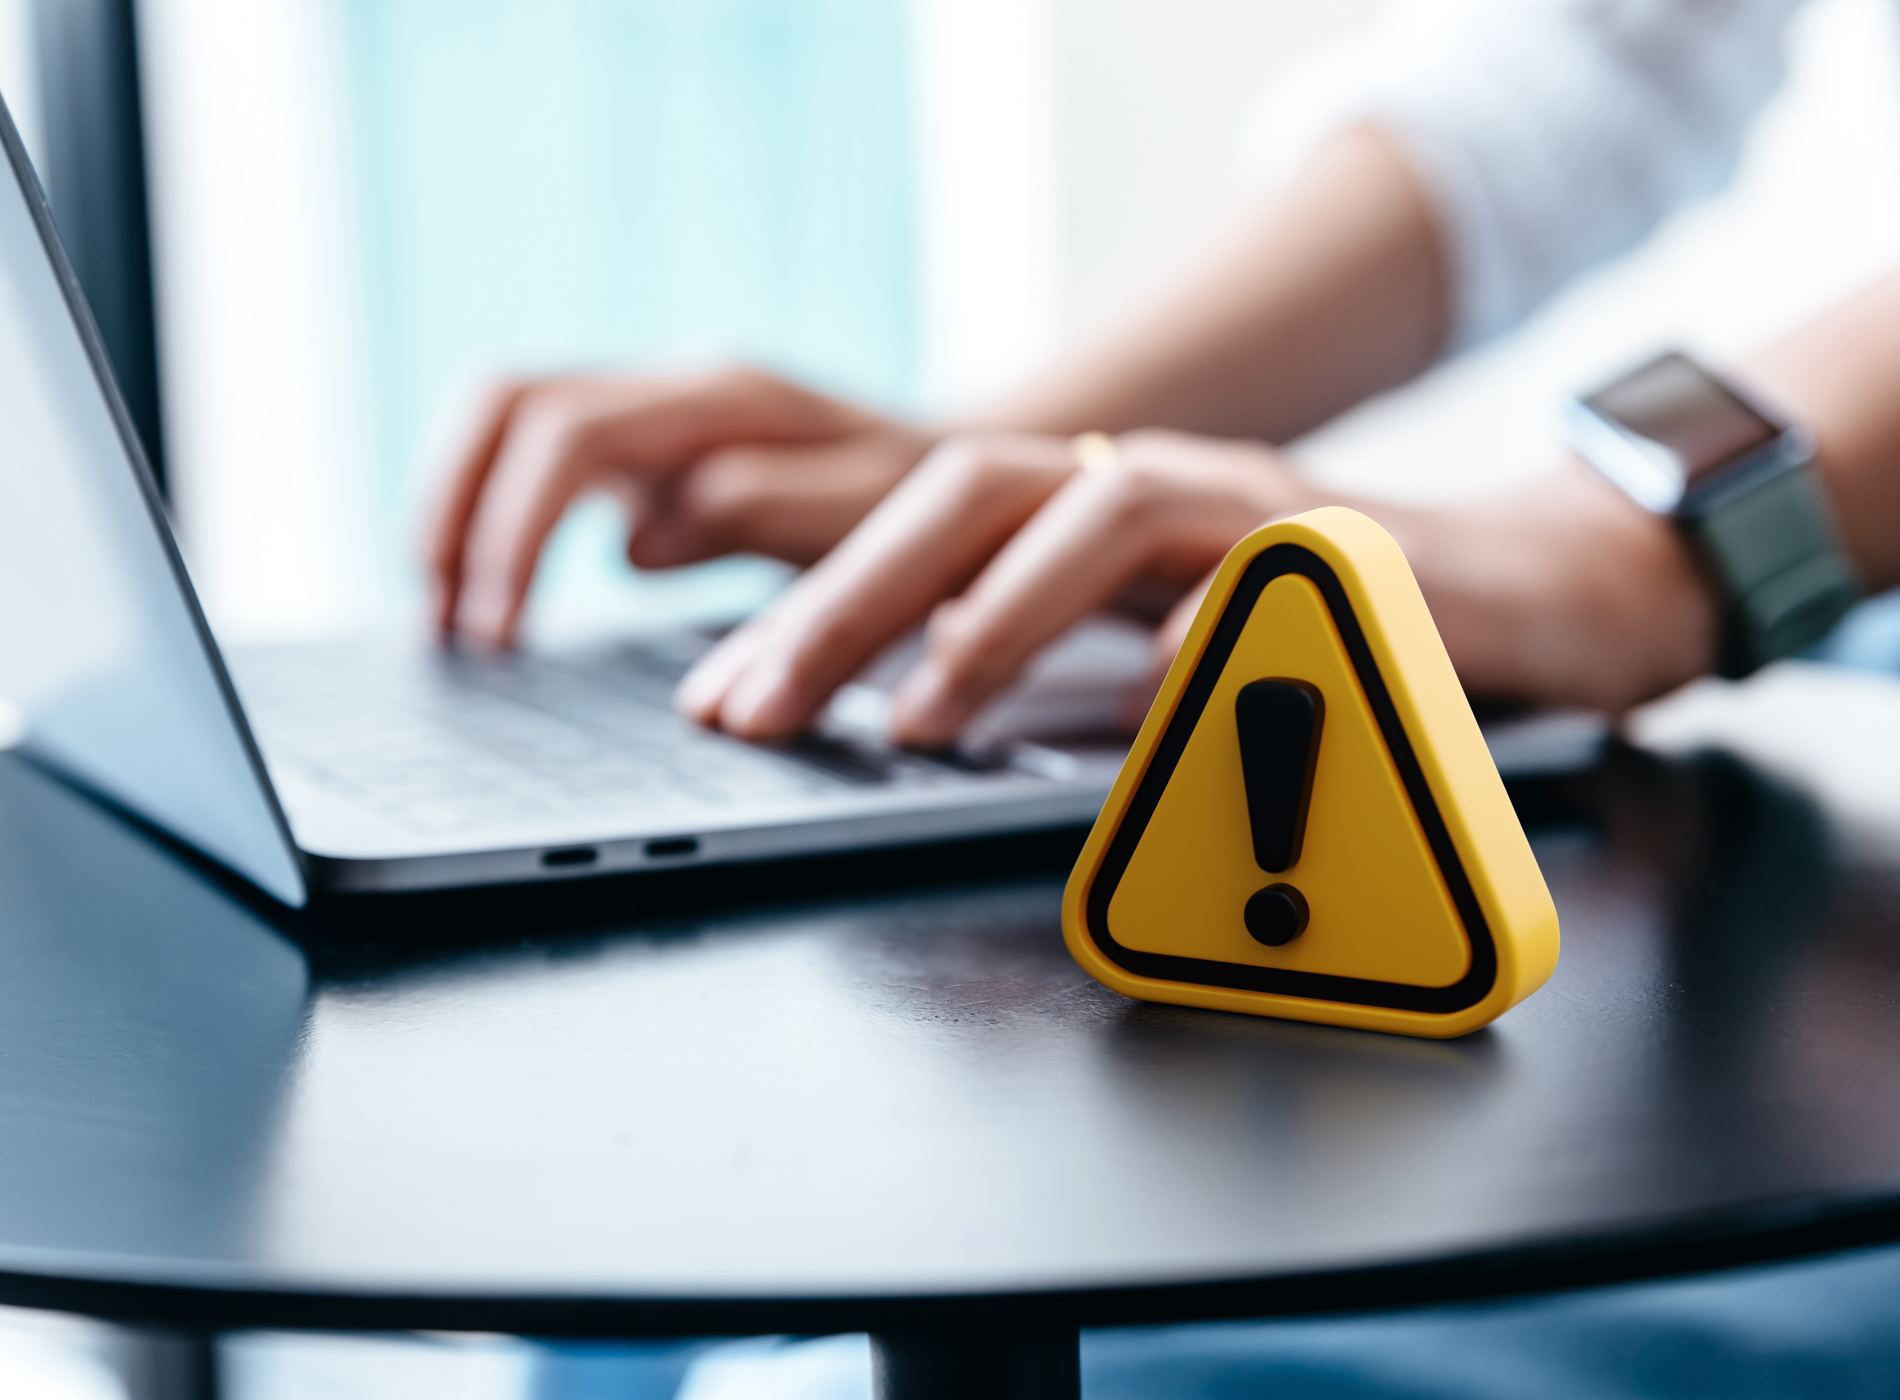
column 1479, row 978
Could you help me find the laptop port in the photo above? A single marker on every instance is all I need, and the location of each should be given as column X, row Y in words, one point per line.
column 671, row 847
column 567, row 857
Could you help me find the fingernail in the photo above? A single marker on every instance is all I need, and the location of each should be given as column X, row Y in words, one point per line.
column 923, row 711
column 762, row 702
column 484, row 616
column 697, row 695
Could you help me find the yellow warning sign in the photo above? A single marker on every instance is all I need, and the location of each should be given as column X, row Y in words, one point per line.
column 1309, row 824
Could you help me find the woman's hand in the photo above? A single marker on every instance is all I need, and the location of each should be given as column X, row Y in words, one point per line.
column 1000, row 544
column 736, row 460
column 1561, row 593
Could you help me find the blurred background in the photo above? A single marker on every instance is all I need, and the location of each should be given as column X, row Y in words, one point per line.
column 363, row 208
column 360, row 209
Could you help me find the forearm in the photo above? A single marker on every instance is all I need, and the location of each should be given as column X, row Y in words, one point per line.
column 1840, row 375
column 1332, row 290
column 1566, row 591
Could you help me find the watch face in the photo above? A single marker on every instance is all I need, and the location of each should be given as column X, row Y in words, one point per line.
column 1683, row 422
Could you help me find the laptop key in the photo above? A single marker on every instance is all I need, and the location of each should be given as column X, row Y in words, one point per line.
column 451, row 741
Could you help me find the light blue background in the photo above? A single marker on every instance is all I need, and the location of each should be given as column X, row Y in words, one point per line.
column 623, row 182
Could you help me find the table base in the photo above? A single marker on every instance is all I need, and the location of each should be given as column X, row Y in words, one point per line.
column 958, row 1365
column 164, row 1365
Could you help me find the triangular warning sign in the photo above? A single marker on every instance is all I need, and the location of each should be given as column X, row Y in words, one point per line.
column 1309, row 824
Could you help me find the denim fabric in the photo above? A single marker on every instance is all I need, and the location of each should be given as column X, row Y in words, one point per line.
column 1869, row 639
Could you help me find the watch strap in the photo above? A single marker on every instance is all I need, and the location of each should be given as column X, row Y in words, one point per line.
column 1769, row 540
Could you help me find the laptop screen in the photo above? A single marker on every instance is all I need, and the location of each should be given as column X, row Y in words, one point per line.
column 102, row 645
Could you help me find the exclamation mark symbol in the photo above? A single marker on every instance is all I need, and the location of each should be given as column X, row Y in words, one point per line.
column 1279, row 723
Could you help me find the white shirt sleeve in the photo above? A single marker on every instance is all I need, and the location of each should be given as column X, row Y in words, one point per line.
column 1551, row 134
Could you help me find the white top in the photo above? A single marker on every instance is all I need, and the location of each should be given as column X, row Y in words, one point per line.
column 1552, row 134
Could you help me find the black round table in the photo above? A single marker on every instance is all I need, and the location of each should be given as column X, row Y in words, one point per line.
column 873, row 1094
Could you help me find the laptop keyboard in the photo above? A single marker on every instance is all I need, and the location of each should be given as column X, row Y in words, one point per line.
column 436, row 742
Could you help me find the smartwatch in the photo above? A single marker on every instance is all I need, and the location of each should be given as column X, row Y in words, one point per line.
column 1740, row 483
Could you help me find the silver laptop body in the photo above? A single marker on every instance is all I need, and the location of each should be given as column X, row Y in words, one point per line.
column 374, row 768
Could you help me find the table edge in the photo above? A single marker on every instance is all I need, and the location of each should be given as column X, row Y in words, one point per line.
column 1736, row 1237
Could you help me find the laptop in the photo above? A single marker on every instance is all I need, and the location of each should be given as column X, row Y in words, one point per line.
column 375, row 768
